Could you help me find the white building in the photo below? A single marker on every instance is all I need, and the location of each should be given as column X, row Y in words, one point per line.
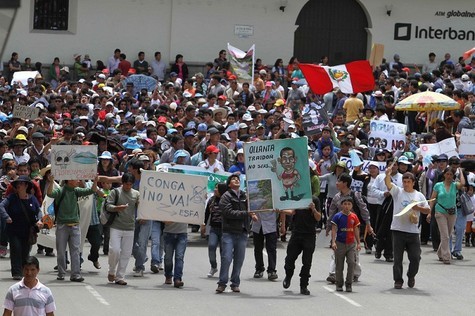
column 343, row 30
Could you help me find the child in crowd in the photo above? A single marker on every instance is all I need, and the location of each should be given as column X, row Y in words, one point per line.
column 345, row 230
column 470, row 227
column 324, row 140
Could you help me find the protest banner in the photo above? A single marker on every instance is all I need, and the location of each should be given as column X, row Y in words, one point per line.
column 314, row 118
column 213, row 178
column 242, row 63
column 277, row 173
column 23, row 76
column 446, row 146
column 387, row 135
column 25, row 112
column 172, row 197
column 467, row 142
column 73, row 162
column 356, row 185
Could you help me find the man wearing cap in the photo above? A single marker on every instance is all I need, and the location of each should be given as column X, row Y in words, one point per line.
column 18, row 145
column 37, row 149
column 214, row 139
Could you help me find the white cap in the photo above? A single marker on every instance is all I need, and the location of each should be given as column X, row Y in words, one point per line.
column 23, row 129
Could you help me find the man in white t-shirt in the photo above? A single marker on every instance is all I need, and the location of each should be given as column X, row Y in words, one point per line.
column 404, row 228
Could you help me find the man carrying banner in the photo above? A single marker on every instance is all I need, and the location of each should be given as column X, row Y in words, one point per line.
column 404, row 227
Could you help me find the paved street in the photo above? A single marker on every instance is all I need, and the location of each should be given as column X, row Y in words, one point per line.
column 440, row 289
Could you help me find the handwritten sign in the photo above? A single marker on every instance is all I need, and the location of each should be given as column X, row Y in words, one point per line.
column 278, row 174
column 25, row 112
column 172, row 197
column 387, row 135
column 467, row 142
column 69, row 162
column 446, row 146
column 356, row 185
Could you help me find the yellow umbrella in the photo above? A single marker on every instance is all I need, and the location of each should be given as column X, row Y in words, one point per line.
column 426, row 102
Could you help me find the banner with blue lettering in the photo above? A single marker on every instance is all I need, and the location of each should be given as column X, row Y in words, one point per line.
column 387, row 135
column 277, row 173
column 172, row 197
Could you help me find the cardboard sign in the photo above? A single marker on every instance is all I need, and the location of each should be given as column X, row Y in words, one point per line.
column 467, row 142
column 25, row 112
column 446, row 146
column 172, row 197
column 73, row 162
column 278, row 174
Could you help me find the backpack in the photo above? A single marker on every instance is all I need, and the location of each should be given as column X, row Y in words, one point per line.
column 106, row 217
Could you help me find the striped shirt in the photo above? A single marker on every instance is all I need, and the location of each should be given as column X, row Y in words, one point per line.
column 25, row 301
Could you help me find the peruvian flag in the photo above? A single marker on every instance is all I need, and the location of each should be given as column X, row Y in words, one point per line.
column 353, row 77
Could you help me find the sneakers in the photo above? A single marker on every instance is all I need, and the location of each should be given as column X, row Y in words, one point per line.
column 138, row 273
column 411, row 282
column 120, row 282
column 220, row 289
column 212, row 272
column 286, row 282
column 60, row 278
column 272, row 276
column 331, row 278
column 377, row 255
column 258, row 274
column 160, row 266
column 168, row 280
column 398, row 285
column 96, row 265
column 178, row 284
column 154, row 268
column 111, row 277
column 389, row 259
column 304, row 290
column 339, row 288
column 77, row 279
column 457, row 256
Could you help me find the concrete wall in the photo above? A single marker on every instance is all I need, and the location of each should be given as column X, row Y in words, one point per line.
column 198, row 29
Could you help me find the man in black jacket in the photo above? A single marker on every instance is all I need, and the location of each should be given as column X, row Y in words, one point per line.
column 236, row 228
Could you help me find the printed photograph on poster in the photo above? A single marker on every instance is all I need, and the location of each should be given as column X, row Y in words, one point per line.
column 284, row 163
column 260, row 194
column 172, row 197
column 74, row 162
column 314, row 118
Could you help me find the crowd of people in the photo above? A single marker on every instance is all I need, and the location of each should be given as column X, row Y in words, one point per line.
column 203, row 120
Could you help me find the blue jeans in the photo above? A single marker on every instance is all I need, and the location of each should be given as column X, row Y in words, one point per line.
column 460, row 223
column 141, row 236
column 214, row 239
column 157, row 245
column 233, row 248
column 175, row 245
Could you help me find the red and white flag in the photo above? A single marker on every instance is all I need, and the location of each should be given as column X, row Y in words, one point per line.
column 468, row 53
column 353, row 77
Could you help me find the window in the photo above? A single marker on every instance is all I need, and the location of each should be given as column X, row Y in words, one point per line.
column 51, row 15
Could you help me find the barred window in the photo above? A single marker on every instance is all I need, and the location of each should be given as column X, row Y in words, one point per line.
column 51, row 15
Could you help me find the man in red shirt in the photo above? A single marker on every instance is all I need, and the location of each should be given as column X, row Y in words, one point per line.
column 124, row 65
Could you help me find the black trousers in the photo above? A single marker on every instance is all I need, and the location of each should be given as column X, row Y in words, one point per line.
column 425, row 228
column 373, row 209
column 19, row 252
column 434, row 231
column 94, row 236
column 383, row 228
column 411, row 243
column 271, row 248
column 300, row 243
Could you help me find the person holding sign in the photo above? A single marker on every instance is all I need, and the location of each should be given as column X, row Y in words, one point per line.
column 405, row 233
column 444, row 196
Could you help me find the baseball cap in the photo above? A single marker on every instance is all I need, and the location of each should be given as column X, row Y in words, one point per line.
column 202, row 127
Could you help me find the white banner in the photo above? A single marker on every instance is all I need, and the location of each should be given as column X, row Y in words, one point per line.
column 446, row 146
column 25, row 112
column 356, row 185
column 172, row 197
column 23, row 76
column 388, row 135
column 74, row 162
column 467, row 142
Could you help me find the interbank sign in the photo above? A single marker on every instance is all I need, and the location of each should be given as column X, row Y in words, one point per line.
column 408, row 31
